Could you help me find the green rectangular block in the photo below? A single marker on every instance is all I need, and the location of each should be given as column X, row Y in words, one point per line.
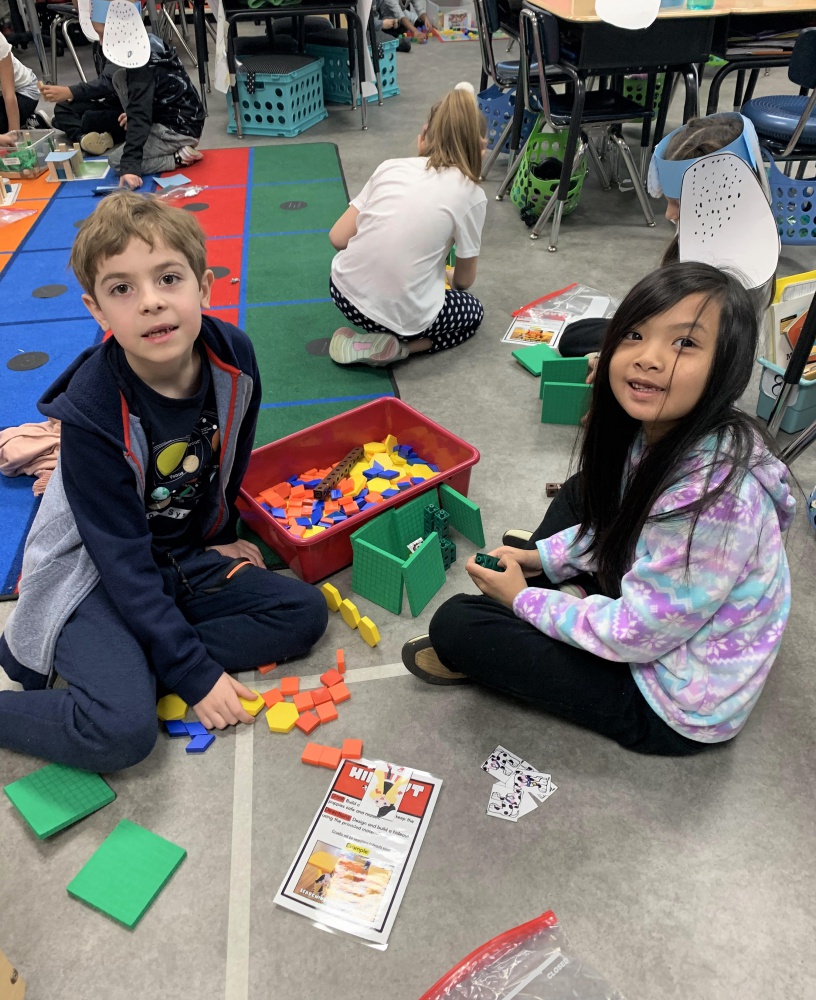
column 57, row 796
column 377, row 575
column 424, row 573
column 465, row 515
column 567, row 370
column 127, row 872
column 533, row 358
column 564, row 402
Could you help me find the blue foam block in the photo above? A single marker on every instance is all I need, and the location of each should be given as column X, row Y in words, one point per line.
column 389, row 493
column 417, row 479
column 200, row 744
column 175, row 727
column 389, row 474
column 196, row 728
column 278, row 512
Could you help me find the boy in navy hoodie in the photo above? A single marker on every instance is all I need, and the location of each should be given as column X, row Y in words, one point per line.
column 133, row 576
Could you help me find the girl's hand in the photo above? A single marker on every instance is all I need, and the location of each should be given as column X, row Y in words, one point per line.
column 131, row 181
column 528, row 559
column 240, row 549
column 221, row 708
column 592, row 361
column 123, row 120
column 502, row 587
column 55, row 94
column 390, row 23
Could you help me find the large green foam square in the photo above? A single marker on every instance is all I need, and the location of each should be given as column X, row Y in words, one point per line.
column 566, row 370
column 57, row 796
column 377, row 575
column 319, row 206
column 532, row 358
column 127, row 872
column 465, row 515
column 424, row 573
column 289, row 267
column 564, row 402
column 409, row 521
column 301, row 161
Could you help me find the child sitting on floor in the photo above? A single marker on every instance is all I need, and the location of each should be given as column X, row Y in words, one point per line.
column 133, row 574
column 389, row 277
column 668, row 542
column 18, row 85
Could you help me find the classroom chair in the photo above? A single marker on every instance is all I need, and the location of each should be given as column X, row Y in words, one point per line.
column 64, row 16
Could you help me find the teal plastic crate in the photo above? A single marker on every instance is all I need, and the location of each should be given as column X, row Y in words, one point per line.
column 801, row 409
column 278, row 95
column 336, row 75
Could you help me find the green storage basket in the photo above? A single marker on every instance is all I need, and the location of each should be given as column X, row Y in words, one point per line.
column 530, row 194
column 634, row 87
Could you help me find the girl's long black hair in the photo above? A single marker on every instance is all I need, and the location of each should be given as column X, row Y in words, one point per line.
column 615, row 511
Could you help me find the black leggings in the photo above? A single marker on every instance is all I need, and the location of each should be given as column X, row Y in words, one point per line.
column 479, row 637
column 25, row 105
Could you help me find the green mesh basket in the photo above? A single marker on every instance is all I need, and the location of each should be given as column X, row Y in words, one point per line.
column 531, row 194
column 634, row 87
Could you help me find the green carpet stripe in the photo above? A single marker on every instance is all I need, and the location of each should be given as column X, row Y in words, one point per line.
column 303, row 161
column 284, row 267
column 323, row 202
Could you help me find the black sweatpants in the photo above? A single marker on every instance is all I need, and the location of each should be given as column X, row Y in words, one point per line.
column 78, row 117
column 477, row 636
column 25, row 105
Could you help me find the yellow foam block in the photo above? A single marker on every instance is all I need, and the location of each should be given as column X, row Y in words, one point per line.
column 397, row 460
column 281, row 718
column 332, row 595
column 254, row 706
column 314, row 530
column 390, row 443
column 377, row 485
column 369, row 631
column 421, row 470
column 350, row 614
column 374, row 448
column 171, row 708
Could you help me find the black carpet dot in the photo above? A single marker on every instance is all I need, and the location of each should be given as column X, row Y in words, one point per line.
column 292, row 206
column 320, row 348
column 49, row 291
column 197, row 206
column 27, row 361
column 220, row 272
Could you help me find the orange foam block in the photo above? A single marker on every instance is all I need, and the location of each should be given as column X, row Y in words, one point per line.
column 339, row 693
column 266, row 668
column 352, row 749
column 303, row 701
column 330, row 678
column 307, row 722
column 320, row 695
column 330, row 758
column 327, row 712
column 341, row 661
column 289, row 686
column 312, row 753
column 272, row 697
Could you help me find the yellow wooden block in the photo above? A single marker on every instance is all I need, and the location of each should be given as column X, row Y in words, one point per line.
column 373, row 448
column 351, row 616
column 282, row 717
column 254, row 706
column 171, row 708
column 390, row 443
column 332, row 595
column 369, row 631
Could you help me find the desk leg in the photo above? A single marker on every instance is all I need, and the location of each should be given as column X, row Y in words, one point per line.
column 36, row 34
column 573, row 138
column 691, row 108
column 361, row 53
column 233, row 81
column 200, row 34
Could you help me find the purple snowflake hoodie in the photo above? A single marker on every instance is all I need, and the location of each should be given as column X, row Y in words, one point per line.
column 700, row 641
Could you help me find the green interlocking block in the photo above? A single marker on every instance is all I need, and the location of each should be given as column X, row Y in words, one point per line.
column 465, row 515
column 57, row 796
column 566, row 370
column 448, row 553
column 533, row 358
column 377, row 575
column 424, row 573
column 564, row 402
column 127, row 872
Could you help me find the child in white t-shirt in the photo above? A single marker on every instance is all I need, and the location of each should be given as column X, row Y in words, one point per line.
column 394, row 238
column 18, row 85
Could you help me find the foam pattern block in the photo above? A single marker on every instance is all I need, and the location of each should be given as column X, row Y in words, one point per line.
column 465, row 515
column 56, row 796
column 564, row 402
column 424, row 574
column 127, row 872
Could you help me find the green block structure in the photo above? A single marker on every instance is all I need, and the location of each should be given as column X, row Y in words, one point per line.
column 57, row 796
column 465, row 516
column 564, row 402
column 424, row 573
column 127, row 872
column 567, row 370
column 377, row 575
column 533, row 358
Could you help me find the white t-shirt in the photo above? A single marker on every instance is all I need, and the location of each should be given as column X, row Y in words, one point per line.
column 25, row 80
column 393, row 269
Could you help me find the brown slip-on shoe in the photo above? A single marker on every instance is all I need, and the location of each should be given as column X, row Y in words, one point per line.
column 420, row 658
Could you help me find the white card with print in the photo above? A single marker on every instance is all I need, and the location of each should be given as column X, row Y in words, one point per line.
column 631, row 14
column 502, row 764
column 125, row 41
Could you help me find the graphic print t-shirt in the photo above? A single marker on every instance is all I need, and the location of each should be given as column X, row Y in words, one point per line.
column 185, row 444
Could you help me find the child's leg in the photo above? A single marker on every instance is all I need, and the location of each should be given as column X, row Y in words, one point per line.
column 106, row 718
column 459, row 318
column 483, row 639
column 251, row 617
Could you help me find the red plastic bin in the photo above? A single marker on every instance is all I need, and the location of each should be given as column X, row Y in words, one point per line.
column 326, row 443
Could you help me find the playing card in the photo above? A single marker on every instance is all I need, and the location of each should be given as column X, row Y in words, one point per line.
column 535, row 782
column 501, row 764
column 504, row 803
column 528, row 803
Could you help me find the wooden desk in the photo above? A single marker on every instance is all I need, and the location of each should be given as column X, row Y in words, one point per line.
column 584, row 10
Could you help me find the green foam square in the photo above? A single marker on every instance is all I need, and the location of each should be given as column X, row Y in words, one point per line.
column 533, row 358
column 424, row 573
column 377, row 575
column 57, row 796
column 126, row 872
column 564, row 403
column 566, row 370
column 465, row 515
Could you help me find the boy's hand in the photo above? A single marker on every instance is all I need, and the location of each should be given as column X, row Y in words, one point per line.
column 56, row 95
column 123, row 121
column 502, row 587
column 131, row 181
column 8, row 139
column 240, row 550
column 221, row 708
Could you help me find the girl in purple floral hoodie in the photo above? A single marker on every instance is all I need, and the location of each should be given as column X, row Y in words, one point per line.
column 670, row 535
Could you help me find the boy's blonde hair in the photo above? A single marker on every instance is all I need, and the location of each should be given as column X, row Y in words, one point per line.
column 124, row 216
column 454, row 134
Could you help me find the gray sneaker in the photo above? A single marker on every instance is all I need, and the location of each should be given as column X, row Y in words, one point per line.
column 420, row 658
column 96, row 143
